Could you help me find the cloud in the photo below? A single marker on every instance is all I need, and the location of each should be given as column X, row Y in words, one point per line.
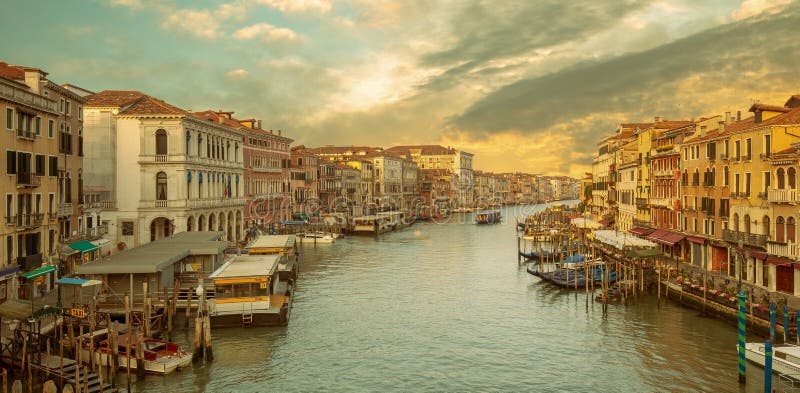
column 132, row 4
column 196, row 23
column 237, row 73
column 757, row 7
column 293, row 6
column 267, row 33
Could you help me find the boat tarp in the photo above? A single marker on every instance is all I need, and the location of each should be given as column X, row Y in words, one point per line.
column 644, row 253
column 81, row 282
column 83, row 246
column 586, row 223
column 621, row 240
column 38, row 272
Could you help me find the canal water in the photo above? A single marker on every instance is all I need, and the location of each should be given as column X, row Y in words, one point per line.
column 446, row 307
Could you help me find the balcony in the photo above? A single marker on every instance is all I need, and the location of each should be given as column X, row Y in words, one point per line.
column 735, row 159
column 641, row 223
column 762, row 195
column 25, row 221
column 30, row 262
column 662, row 202
column 267, row 169
column 750, row 239
column 747, row 158
column 28, row 180
column 26, row 135
column 787, row 250
column 782, row 196
column 214, row 202
column 641, row 203
column 108, row 205
column 765, row 156
column 65, row 209
column 52, row 216
column 161, row 158
column 723, row 157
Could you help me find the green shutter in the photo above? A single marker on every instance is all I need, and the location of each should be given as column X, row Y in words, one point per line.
column 11, row 162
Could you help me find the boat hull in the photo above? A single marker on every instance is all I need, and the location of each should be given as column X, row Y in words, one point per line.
column 162, row 365
column 754, row 352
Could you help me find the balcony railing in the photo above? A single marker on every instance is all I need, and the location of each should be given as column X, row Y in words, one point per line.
column 641, row 203
column 23, row 221
column 267, row 169
column 788, row 250
column 747, row 158
column 161, row 158
column 641, row 223
column 28, row 179
column 765, row 156
column 751, row 239
column 663, row 202
column 65, row 209
column 27, row 135
column 776, row 195
column 108, row 205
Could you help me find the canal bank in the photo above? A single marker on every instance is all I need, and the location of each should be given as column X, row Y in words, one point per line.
column 443, row 307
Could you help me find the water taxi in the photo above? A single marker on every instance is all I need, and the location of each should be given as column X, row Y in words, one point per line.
column 160, row 357
column 371, row 225
column 487, row 217
column 248, row 292
column 785, row 357
column 315, row 237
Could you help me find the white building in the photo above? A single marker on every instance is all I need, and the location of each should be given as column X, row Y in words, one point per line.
column 158, row 169
column 388, row 176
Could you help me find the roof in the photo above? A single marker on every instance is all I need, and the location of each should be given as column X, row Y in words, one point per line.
column 247, row 266
column 354, row 150
column 635, row 126
column 670, row 124
column 83, row 246
column 156, row 256
column 769, row 108
column 10, row 71
column 425, row 150
column 113, row 98
column 272, row 241
column 132, row 102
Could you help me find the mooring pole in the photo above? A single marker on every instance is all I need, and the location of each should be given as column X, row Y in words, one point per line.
column 772, row 310
column 742, row 321
column 768, row 367
column 785, row 324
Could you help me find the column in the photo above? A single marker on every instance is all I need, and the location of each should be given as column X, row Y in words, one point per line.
column 760, row 272
column 796, row 282
column 771, row 276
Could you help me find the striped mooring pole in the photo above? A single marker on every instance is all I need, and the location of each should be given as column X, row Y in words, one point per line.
column 797, row 317
column 768, row 367
column 785, row 324
column 742, row 360
column 772, row 309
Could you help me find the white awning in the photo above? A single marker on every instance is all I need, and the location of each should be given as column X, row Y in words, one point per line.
column 621, row 240
column 100, row 242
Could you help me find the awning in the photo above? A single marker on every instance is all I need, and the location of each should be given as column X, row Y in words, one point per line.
column 696, row 240
column 9, row 270
column 38, row 272
column 778, row 261
column 652, row 252
column 83, row 246
column 657, row 234
column 78, row 281
column 670, row 238
column 606, row 222
column 100, row 242
column 640, row 231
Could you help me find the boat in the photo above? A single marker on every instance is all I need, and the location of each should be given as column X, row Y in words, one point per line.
column 160, row 357
column 396, row 219
column 315, row 237
column 539, row 254
column 371, row 225
column 785, row 357
column 248, row 291
column 487, row 217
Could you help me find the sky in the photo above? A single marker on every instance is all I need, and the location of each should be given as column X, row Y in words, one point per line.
column 524, row 85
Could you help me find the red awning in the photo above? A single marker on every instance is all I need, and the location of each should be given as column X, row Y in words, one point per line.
column 657, row 234
column 695, row 239
column 778, row 261
column 670, row 239
column 606, row 222
column 640, row 231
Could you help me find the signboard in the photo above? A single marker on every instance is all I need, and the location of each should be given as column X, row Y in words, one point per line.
column 263, row 285
column 77, row 312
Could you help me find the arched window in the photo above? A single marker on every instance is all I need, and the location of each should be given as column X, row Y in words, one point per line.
column 161, row 142
column 765, row 224
column 791, row 175
column 736, row 222
column 781, row 181
column 746, row 223
column 790, row 234
column 189, row 224
column 161, row 186
column 779, row 229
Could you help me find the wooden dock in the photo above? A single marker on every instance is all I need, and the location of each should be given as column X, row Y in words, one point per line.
column 66, row 371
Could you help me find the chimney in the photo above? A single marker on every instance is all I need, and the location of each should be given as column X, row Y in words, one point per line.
column 702, row 131
column 738, row 115
column 658, row 119
column 259, row 124
column 32, row 79
column 279, row 132
column 728, row 117
column 721, row 126
column 220, row 119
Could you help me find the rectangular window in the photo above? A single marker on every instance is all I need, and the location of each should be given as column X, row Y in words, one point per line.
column 9, row 206
column 695, row 225
column 767, row 145
column 62, row 105
column 40, row 165
column 127, row 228
column 766, row 181
column 712, row 227
column 67, row 107
column 725, row 176
column 80, row 112
column 747, row 184
column 51, row 125
column 51, row 199
column 11, row 162
column 10, row 118
column 749, row 145
column 738, row 147
column 38, row 127
column 53, row 165
column 10, row 248
column 736, row 187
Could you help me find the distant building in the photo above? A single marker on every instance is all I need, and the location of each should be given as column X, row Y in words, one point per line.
column 440, row 157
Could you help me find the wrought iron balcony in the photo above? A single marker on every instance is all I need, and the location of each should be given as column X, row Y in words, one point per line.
column 28, row 179
column 751, row 239
column 25, row 221
column 27, row 135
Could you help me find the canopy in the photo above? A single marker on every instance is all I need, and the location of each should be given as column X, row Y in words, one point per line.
column 38, row 272
column 649, row 252
column 621, row 240
column 83, row 246
column 100, row 242
column 640, row 231
column 670, row 238
column 583, row 222
column 78, row 281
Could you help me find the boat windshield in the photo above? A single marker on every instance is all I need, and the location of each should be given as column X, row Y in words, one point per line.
column 155, row 346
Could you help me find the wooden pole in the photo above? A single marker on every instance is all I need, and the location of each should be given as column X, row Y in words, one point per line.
column 128, row 341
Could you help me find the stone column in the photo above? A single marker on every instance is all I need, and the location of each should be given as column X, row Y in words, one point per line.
column 759, row 272
column 771, row 277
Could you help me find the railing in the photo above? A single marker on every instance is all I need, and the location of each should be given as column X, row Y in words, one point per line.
column 161, row 158
column 785, row 195
column 28, row 179
column 108, row 205
column 751, row 239
column 642, row 203
column 24, row 134
column 22, row 221
column 16, row 94
column 765, row 156
column 747, row 158
column 161, row 203
column 641, row 223
column 788, row 250
column 267, row 169
column 214, row 202
column 664, row 202
column 65, row 209
column 52, row 216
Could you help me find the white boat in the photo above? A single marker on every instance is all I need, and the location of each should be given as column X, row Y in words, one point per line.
column 160, row 357
column 315, row 237
column 785, row 357
column 372, row 225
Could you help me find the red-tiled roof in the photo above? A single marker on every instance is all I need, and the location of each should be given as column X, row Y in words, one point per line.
column 425, row 150
column 10, row 71
column 342, row 149
column 147, row 105
column 671, row 124
column 635, row 126
column 215, row 117
column 114, row 98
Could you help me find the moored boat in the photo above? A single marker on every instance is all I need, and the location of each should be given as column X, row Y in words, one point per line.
column 371, row 225
column 487, row 217
column 160, row 357
column 785, row 358
column 315, row 237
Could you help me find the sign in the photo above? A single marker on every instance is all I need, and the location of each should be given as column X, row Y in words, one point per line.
column 77, row 312
column 263, row 285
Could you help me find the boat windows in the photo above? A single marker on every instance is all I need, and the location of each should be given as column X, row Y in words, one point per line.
column 241, row 290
